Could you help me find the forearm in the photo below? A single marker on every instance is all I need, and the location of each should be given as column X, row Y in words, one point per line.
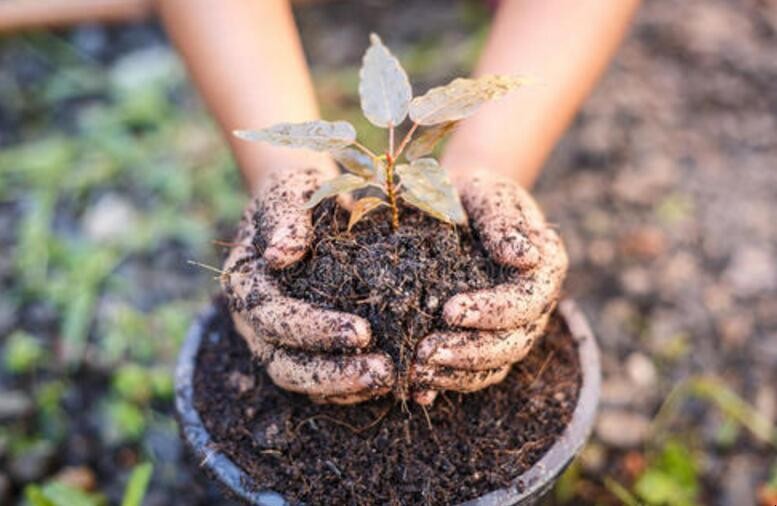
column 248, row 64
column 565, row 46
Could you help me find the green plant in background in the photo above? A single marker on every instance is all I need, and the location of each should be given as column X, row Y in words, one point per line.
column 671, row 476
column 57, row 493
column 386, row 101
column 137, row 485
column 671, row 479
column 126, row 182
column 22, row 353
column 61, row 494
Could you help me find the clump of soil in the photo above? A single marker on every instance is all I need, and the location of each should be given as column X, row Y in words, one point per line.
column 397, row 280
column 377, row 452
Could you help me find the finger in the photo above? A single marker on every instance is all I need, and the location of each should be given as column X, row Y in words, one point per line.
column 293, row 323
column 290, row 322
column 514, row 304
column 425, row 397
column 479, row 350
column 446, row 378
column 286, row 226
column 326, row 376
column 356, row 379
column 259, row 348
column 507, row 218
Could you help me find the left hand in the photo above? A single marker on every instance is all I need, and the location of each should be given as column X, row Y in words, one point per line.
column 504, row 321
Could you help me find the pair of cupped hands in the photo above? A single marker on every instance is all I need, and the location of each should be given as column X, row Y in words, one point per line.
column 323, row 353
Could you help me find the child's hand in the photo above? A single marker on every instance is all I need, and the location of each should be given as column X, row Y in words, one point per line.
column 292, row 337
column 505, row 320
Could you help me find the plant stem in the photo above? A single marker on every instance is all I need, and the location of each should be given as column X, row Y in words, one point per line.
column 405, row 141
column 364, row 149
column 391, row 192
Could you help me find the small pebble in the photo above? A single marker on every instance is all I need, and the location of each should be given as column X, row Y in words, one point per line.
column 622, row 429
column 15, row 404
column 738, row 482
column 81, row 478
column 641, row 370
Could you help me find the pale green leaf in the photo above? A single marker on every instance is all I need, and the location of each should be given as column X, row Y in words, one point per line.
column 137, row 485
column 460, row 98
column 427, row 140
column 356, row 161
column 362, row 207
column 316, row 135
column 340, row 184
column 426, row 186
column 384, row 88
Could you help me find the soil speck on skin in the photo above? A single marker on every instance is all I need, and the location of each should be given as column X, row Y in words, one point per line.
column 396, row 280
column 377, row 452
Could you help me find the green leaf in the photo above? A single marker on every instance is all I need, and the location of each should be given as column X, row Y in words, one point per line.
column 34, row 494
column 460, row 98
column 61, row 494
column 659, row 488
column 425, row 143
column 133, row 383
column 317, row 135
column 427, row 187
column 340, row 184
column 22, row 353
column 362, row 207
column 137, row 485
column 384, row 88
column 672, row 479
column 356, row 161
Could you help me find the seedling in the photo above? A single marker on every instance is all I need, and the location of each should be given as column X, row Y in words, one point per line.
column 387, row 101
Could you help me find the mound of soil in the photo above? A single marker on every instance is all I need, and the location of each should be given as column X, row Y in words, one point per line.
column 384, row 452
column 396, row 280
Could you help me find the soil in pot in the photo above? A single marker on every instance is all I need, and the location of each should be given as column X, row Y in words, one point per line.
column 384, row 452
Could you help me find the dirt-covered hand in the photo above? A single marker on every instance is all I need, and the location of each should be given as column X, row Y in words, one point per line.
column 294, row 339
column 504, row 321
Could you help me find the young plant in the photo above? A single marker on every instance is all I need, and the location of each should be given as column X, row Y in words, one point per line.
column 387, row 100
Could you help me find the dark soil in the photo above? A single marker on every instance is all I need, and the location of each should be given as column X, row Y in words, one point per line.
column 378, row 452
column 397, row 280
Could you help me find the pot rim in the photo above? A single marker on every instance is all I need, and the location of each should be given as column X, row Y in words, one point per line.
column 527, row 487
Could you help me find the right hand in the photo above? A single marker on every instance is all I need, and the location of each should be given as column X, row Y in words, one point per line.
column 493, row 328
column 299, row 344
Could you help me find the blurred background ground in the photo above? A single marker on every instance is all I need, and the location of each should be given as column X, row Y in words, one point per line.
column 665, row 190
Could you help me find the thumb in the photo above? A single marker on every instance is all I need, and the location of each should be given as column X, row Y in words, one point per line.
column 284, row 225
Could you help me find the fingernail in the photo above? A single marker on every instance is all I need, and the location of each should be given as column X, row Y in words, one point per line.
column 459, row 311
column 425, row 349
column 526, row 254
column 441, row 356
column 518, row 251
column 379, row 374
column 361, row 334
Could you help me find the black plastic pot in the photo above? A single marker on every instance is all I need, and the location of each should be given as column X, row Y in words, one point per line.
column 527, row 489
